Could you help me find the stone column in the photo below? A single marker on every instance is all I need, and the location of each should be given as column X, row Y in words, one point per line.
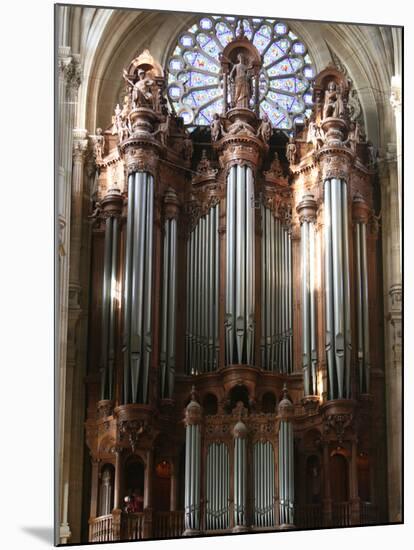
column 69, row 78
column 388, row 174
column 395, row 101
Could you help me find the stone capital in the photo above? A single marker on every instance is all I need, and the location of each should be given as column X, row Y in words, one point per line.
column 80, row 144
column 395, row 98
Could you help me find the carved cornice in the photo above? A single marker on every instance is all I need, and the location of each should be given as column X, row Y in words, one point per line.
column 171, row 204
column 240, row 150
column 336, row 162
column 141, row 155
column 112, row 203
column 306, row 209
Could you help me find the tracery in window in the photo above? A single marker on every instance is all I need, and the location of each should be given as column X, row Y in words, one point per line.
column 285, row 82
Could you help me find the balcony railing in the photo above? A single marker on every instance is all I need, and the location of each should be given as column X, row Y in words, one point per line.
column 168, row 524
column 162, row 525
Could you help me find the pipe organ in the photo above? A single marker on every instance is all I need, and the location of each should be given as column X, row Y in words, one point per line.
column 203, row 265
column 276, row 347
column 233, row 358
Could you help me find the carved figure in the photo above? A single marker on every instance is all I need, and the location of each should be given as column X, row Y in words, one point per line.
column 354, row 136
column 238, row 127
column 265, row 129
column 333, row 105
column 164, row 130
column 99, row 144
column 141, row 89
column 291, row 151
column 241, row 83
column 315, row 135
column 215, row 127
column 275, row 167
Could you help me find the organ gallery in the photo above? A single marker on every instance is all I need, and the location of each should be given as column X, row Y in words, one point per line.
column 226, row 291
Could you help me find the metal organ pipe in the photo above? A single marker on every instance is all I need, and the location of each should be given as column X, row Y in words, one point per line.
column 168, row 317
column 112, row 207
column 192, row 466
column 361, row 214
column 307, row 216
column 138, row 287
column 286, row 462
column 240, row 266
column 239, row 473
column 338, row 329
column 276, row 343
column 202, row 294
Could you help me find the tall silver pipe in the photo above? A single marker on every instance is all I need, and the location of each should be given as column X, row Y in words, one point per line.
column 305, row 307
column 347, row 291
column 217, row 286
column 165, row 300
column 241, row 261
column 210, row 289
column 360, row 321
column 364, row 266
column 127, row 286
column 338, row 286
column 172, row 306
column 250, row 264
column 329, row 314
column 278, row 295
column 272, row 270
column 313, row 328
column 137, row 284
column 112, row 305
column 106, row 306
column 269, row 291
column 148, row 285
column 230, row 250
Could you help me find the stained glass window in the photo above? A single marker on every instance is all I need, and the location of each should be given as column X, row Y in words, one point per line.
column 285, row 81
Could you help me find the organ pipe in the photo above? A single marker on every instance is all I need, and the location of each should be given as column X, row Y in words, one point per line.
column 263, row 486
column 240, row 266
column 138, row 287
column 307, row 216
column 240, row 468
column 337, row 291
column 192, row 466
column 360, row 213
column 202, row 294
column 217, row 487
column 286, row 462
column 112, row 207
column 276, row 342
column 168, row 317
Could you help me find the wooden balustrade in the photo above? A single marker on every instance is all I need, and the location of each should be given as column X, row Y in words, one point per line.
column 171, row 524
column 341, row 514
column 309, row 516
column 100, row 529
column 168, row 524
column 369, row 513
column 132, row 526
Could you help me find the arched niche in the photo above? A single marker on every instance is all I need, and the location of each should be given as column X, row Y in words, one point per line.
column 238, row 393
column 162, row 485
column 339, row 477
column 106, row 489
column 134, row 474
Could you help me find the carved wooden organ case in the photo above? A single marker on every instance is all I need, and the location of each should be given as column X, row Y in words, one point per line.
column 235, row 328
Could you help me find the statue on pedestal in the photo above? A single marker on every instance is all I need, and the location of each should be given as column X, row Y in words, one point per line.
column 240, row 78
column 215, row 127
column 141, row 89
column 99, row 144
column 333, row 105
